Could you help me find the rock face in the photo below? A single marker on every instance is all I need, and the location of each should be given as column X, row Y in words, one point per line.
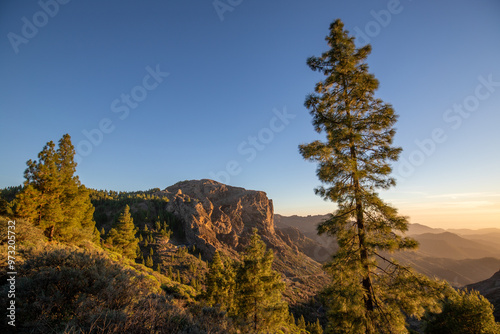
column 217, row 216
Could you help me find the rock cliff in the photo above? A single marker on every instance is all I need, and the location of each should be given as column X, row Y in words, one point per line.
column 217, row 216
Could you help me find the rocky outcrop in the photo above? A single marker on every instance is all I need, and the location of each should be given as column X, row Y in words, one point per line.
column 217, row 216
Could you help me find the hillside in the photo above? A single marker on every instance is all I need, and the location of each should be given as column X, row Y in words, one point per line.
column 205, row 216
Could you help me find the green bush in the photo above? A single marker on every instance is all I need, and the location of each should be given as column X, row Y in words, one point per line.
column 464, row 313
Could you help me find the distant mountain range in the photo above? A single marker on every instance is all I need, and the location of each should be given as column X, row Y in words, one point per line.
column 460, row 256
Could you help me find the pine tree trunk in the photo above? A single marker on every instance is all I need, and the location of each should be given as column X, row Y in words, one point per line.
column 366, row 282
column 50, row 233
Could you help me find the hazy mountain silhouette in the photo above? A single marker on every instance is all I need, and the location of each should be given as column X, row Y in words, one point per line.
column 472, row 256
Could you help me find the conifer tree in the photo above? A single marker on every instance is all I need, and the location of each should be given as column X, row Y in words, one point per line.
column 149, row 262
column 53, row 197
column 169, row 273
column 122, row 236
column 259, row 288
column 369, row 293
column 464, row 312
column 301, row 323
column 315, row 328
column 220, row 283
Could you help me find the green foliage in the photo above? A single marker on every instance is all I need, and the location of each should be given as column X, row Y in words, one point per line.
column 301, row 323
column 220, row 284
column 369, row 293
column 53, row 197
column 121, row 237
column 464, row 313
column 149, row 262
column 259, row 303
column 170, row 274
column 315, row 328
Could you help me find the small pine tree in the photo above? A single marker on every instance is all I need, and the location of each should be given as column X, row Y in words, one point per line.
column 220, row 283
column 151, row 251
column 124, row 240
column 158, row 268
column 169, row 273
column 315, row 328
column 149, row 262
column 259, row 301
column 301, row 323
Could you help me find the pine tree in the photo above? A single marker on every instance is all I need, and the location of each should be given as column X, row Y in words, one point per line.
column 315, row 328
column 301, row 323
column 170, row 274
column 464, row 312
column 53, row 197
column 122, row 236
column 259, row 288
column 220, row 283
column 149, row 262
column 369, row 293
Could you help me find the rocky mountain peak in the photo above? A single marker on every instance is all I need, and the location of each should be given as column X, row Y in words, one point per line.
column 218, row 216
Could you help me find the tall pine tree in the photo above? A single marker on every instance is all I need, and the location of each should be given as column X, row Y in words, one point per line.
column 259, row 288
column 369, row 293
column 53, row 197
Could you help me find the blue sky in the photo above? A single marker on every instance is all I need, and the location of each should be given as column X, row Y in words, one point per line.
column 176, row 90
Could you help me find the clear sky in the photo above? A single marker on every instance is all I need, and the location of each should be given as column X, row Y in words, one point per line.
column 154, row 92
